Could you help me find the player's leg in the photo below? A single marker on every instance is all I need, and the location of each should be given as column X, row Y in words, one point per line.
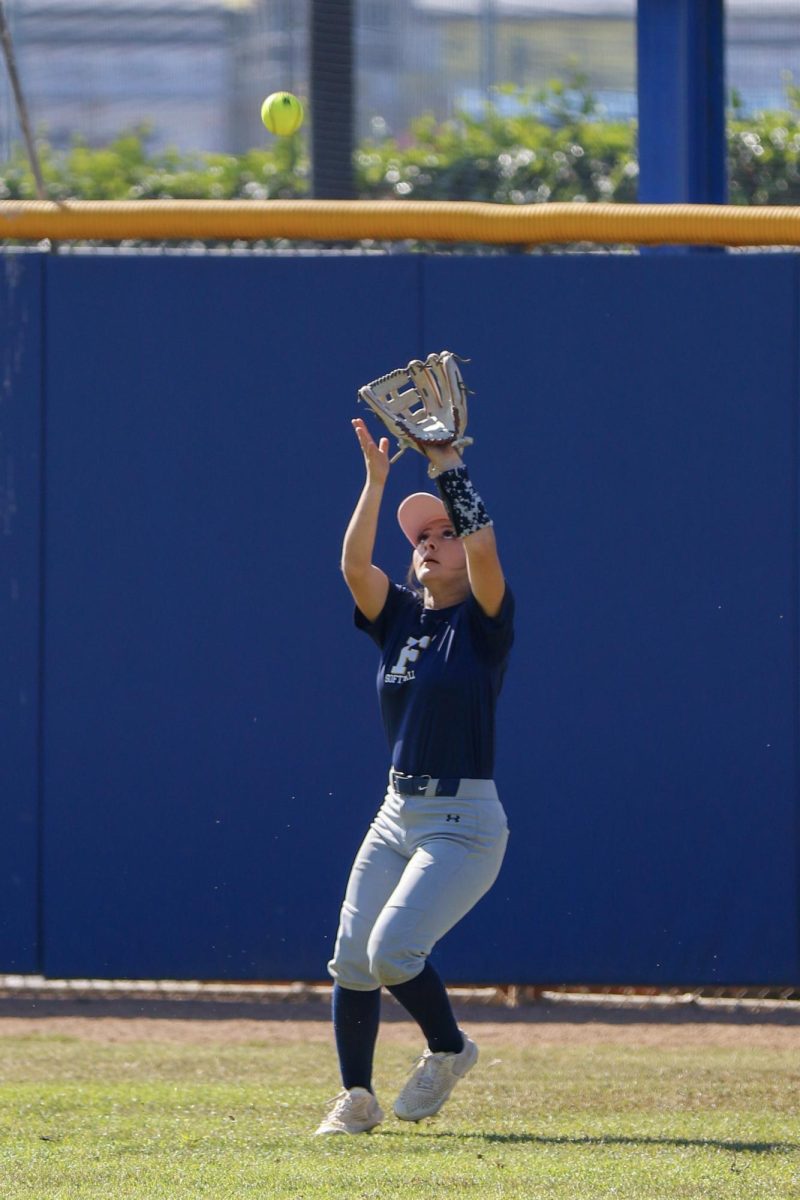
column 377, row 868
column 457, row 848
column 425, row 998
column 441, row 883
column 454, row 865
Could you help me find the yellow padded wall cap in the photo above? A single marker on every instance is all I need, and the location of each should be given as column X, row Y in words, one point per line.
column 399, row 220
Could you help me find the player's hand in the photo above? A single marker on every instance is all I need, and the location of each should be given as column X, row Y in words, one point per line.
column 376, row 458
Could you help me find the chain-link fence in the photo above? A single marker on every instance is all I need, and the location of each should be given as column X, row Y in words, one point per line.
column 762, row 47
column 196, row 71
column 193, row 72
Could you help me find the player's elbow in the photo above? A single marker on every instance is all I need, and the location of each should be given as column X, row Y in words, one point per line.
column 354, row 572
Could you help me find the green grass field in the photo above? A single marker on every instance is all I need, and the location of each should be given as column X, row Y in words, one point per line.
column 162, row 1120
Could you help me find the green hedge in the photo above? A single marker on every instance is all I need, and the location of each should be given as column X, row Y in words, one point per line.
column 525, row 147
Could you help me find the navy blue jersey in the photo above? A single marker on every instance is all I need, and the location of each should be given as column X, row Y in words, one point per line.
column 440, row 674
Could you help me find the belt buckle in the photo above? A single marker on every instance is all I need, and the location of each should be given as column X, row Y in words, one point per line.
column 410, row 785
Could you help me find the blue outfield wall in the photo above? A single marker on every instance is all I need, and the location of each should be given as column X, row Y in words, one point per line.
column 211, row 750
column 21, row 354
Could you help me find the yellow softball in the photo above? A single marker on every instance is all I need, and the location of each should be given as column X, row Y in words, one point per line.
column 282, row 113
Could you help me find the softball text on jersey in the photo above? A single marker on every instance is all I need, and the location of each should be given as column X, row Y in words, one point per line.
column 440, row 673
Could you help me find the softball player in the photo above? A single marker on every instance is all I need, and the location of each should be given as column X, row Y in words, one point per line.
column 437, row 842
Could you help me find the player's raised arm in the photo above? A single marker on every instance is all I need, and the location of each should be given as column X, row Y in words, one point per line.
column 368, row 584
column 472, row 525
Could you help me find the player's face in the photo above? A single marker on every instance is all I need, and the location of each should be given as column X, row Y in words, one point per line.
column 439, row 554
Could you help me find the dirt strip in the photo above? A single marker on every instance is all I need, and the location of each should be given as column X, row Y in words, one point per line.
column 131, row 1019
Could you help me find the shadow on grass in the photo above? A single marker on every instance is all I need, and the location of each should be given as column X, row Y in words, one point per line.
column 538, row 1139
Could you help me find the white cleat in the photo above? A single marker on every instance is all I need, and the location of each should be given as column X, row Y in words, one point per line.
column 432, row 1081
column 353, row 1111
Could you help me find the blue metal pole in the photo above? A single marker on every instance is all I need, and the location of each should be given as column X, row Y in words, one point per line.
column 681, row 82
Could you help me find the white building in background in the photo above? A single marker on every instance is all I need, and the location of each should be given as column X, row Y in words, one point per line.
column 92, row 68
column 195, row 71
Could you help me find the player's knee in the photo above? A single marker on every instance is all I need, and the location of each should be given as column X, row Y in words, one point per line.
column 351, row 970
column 391, row 963
column 349, row 965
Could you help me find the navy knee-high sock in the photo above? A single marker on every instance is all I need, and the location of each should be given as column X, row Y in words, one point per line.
column 356, row 1016
column 426, row 999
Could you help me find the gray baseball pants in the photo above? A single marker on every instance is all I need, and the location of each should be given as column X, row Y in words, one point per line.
column 425, row 862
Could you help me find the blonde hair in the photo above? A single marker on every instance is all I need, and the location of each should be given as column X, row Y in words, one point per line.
column 412, row 582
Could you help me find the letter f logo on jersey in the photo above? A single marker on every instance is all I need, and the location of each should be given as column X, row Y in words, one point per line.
column 409, row 654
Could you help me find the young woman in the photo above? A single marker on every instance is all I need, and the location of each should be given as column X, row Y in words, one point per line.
column 436, row 845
